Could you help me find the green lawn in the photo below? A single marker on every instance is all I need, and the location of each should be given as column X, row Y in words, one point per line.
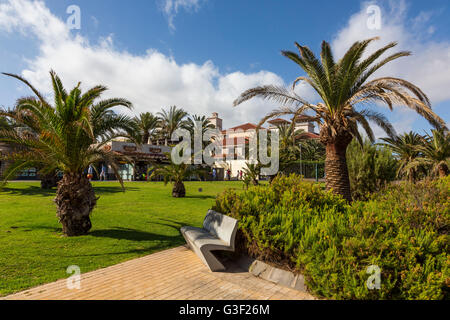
column 143, row 220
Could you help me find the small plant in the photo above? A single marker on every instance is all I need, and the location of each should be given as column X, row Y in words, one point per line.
column 251, row 174
column 176, row 174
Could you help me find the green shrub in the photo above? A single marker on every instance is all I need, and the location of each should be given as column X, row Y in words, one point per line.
column 370, row 168
column 298, row 226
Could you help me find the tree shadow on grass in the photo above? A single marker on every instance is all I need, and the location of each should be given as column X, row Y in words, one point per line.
column 113, row 189
column 37, row 191
column 172, row 223
column 203, row 197
column 29, row 191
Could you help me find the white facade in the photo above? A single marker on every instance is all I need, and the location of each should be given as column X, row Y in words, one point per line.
column 235, row 139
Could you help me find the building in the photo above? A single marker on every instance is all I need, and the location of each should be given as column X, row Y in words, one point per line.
column 25, row 174
column 236, row 140
column 134, row 160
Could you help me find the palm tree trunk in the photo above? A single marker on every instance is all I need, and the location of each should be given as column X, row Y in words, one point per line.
column 75, row 200
column 336, row 170
column 178, row 191
column 49, row 181
column 443, row 170
column 145, row 138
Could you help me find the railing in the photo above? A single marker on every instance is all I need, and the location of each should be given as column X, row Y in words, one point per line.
column 308, row 169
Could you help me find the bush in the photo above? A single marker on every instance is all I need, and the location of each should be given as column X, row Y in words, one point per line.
column 370, row 168
column 298, row 226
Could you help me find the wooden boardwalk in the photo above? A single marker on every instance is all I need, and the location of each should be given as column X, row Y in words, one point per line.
column 175, row 274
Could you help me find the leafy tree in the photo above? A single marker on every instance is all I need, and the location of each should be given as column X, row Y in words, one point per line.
column 343, row 87
column 69, row 136
column 370, row 167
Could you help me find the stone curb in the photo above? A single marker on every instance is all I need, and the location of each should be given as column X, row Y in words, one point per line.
column 281, row 277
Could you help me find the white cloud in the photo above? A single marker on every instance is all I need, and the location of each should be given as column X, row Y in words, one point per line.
column 428, row 67
column 172, row 7
column 150, row 81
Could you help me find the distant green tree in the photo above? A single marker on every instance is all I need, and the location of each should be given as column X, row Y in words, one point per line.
column 370, row 167
column 176, row 174
column 170, row 121
column 434, row 154
column 406, row 149
column 312, row 150
column 199, row 124
column 145, row 124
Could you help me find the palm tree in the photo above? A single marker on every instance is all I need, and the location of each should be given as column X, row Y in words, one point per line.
column 406, row 148
column 289, row 136
column 251, row 173
column 312, row 150
column 176, row 174
column 170, row 121
column 197, row 125
column 48, row 180
column 146, row 123
column 69, row 136
column 435, row 153
column 343, row 86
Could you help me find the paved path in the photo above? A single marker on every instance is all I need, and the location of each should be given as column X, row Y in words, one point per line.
column 175, row 274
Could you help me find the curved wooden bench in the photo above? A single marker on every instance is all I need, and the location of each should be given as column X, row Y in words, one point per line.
column 218, row 233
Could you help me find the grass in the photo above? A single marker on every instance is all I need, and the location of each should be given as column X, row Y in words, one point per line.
column 143, row 220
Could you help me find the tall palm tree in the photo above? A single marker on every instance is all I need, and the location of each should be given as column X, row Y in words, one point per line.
column 406, row 148
column 69, row 135
column 146, row 123
column 171, row 120
column 176, row 174
column 343, row 87
column 435, row 153
column 197, row 124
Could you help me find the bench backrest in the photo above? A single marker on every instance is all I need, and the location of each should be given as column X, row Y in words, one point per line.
column 222, row 226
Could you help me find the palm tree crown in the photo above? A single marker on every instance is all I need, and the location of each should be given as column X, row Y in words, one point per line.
column 405, row 148
column 146, row 123
column 435, row 153
column 171, row 120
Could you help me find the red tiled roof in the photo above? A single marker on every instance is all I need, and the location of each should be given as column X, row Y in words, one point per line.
column 278, row 120
column 301, row 119
column 244, row 127
column 308, row 135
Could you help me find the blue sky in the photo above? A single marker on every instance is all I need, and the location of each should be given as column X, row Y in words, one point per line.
column 200, row 54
